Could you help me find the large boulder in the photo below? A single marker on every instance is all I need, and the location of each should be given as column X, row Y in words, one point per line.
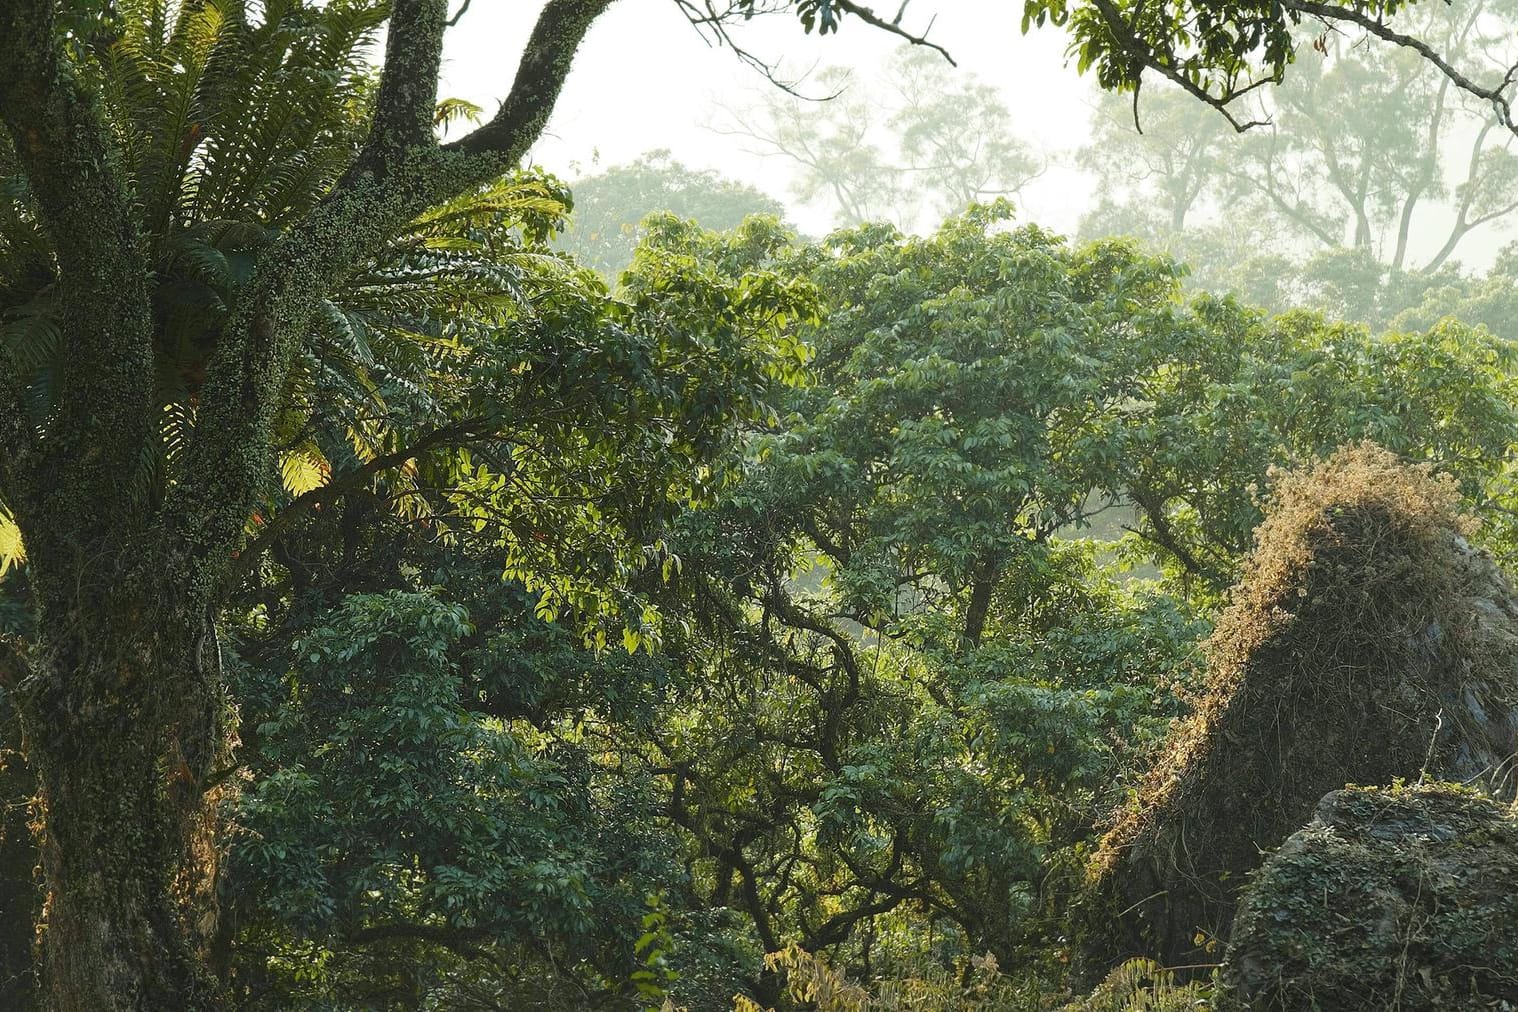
column 1390, row 898
column 1366, row 642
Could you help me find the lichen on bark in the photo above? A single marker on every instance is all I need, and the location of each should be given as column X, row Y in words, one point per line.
column 119, row 691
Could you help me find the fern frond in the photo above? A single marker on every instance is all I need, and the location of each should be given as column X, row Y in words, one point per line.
column 12, row 549
column 303, row 469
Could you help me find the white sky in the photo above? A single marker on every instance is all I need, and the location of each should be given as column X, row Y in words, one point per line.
column 645, row 79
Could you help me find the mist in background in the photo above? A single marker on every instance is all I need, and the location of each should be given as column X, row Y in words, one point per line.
column 1374, row 192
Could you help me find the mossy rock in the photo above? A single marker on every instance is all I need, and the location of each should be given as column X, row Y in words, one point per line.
column 1366, row 643
column 1390, row 898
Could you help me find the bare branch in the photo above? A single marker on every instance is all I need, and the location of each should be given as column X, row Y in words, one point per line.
column 713, row 20
column 1496, row 95
column 893, row 27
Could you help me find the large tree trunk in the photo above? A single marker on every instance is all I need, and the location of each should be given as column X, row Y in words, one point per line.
column 20, row 901
column 122, row 715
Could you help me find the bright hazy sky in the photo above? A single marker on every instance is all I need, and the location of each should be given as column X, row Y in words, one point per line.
column 645, row 79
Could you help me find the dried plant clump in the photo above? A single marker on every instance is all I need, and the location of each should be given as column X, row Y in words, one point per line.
column 1401, row 898
column 1366, row 642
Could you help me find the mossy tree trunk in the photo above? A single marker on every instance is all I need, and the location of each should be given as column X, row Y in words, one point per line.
column 19, row 898
column 122, row 723
column 119, row 690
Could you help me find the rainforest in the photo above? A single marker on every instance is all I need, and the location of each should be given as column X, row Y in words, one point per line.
column 979, row 506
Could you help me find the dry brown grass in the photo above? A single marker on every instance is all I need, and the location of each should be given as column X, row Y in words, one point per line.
column 1365, row 642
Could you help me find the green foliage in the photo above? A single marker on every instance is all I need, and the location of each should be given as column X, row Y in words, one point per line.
column 1219, row 49
column 910, row 758
column 912, row 669
column 610, row 205
column 654, row 976
column 405, row 834
column 848, row 509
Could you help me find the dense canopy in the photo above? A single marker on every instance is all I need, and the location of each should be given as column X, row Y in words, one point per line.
column 426, row 583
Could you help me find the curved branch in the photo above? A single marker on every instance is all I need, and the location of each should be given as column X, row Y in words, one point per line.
column 1140, row 51
column 893, row 26
column 540, row 76
column 229, row 455
column 1497, row 96
column 64, row 148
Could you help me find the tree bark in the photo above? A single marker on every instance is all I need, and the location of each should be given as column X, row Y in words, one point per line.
column 982, row 587
column 20, row 898
column 123, row 721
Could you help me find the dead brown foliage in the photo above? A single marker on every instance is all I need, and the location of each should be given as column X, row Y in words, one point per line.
column 1366, row 642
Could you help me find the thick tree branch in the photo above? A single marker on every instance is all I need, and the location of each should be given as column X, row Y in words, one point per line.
column 540, row 76
column 1464, row 223
column 229, row 456
column 1161, row 58
column 104, row 399
column 407, row 99
column 793, row 615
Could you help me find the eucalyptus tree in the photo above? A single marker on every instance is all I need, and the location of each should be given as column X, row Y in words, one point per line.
column 910, row 147
column 1370, row 148
column 1159, row 160
column 145, row 145
column 1364, row 139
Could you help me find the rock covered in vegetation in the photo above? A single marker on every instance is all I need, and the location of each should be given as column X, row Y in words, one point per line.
column 1366, row 642
column 1390, row 898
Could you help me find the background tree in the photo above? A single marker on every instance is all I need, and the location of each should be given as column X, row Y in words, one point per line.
column 1367, row 169
column 912, row 687
column 610, row 205
column 920, row 143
